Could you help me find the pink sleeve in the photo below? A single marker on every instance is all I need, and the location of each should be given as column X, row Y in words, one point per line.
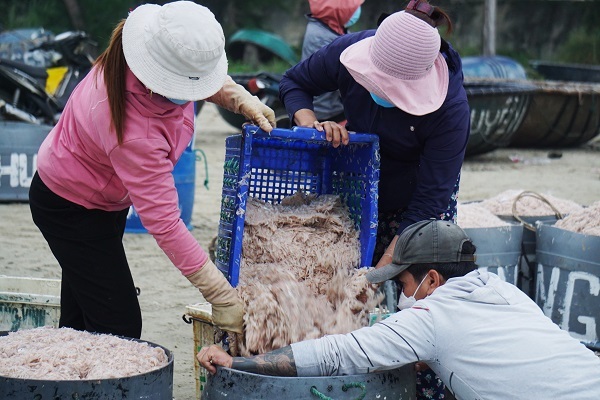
column 146, row 171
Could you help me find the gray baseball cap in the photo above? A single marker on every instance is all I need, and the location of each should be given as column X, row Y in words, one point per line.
column 430, row 241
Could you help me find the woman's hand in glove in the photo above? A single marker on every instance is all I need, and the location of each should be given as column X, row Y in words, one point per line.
column 227, row 307
column 257, row 112
column 235, row 98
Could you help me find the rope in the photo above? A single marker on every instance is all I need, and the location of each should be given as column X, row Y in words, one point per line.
column 200, row 158
column 315, row 392
column 537, row 196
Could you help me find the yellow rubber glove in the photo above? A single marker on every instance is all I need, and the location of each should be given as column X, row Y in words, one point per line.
column 235, row 98
column 227, row 307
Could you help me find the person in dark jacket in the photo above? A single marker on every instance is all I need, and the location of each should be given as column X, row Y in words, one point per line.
column 404, row 83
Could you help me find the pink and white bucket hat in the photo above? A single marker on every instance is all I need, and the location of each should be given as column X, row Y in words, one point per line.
column 401, row 63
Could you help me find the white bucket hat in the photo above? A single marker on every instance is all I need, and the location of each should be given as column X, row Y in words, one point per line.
column 401, row 63
column 176, row 50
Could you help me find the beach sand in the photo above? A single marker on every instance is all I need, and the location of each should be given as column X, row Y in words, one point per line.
column 165, row 292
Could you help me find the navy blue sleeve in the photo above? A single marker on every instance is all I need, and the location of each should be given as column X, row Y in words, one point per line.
column 316, row 75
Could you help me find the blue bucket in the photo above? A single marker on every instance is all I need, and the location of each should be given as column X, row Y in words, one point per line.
column 184, row 174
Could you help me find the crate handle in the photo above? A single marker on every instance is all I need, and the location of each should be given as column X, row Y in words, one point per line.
column 300, row 132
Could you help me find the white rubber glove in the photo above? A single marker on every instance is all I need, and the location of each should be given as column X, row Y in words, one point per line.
column 227, row 307
column 235, row 98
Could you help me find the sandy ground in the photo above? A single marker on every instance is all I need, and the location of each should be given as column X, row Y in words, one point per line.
column 165, row 292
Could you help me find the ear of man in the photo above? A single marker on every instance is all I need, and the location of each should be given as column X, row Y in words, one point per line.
column 434, row 280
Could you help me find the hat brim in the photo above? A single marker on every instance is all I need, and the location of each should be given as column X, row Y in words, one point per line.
column 386, row 272
column 415, row 96
column 153, row 75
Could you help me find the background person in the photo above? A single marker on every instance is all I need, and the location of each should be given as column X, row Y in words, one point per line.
column 484, row 337
column 117, row 141
column 405, row 84
column 328, row 20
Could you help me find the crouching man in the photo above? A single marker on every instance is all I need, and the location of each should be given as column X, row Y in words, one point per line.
column 482, row 336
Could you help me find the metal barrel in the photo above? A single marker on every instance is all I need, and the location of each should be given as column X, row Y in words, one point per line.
column 527, row 262
column 153, row 385
column 568, row 281
column 231, row 384
column 498, row 250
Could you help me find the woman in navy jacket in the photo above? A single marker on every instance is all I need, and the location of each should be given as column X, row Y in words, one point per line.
column 394, row 85
column 405, row 84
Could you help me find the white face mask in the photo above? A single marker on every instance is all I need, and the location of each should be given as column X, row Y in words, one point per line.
column 407, row 302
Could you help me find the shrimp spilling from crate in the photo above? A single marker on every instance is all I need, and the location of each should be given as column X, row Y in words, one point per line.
column 300, row 275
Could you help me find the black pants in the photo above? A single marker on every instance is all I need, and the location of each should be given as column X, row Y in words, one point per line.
column 97, row 291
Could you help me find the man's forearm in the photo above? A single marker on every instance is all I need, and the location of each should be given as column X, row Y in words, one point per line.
column 277, row 362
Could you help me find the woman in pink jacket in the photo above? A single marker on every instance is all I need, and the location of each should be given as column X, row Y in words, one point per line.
column 117, row 141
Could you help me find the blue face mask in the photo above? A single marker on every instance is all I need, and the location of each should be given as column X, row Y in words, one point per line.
column 381, row 102
column 353, row 18
column 176, row 101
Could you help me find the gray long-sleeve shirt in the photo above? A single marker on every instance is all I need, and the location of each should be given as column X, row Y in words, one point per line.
column 317, row 35
column 483, row 337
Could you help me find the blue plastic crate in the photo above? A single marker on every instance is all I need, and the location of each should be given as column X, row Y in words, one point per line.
column 272, row 166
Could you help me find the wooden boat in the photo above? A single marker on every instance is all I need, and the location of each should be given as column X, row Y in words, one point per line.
column 509, row 110
column 555, row 71
column 560, row 114
column 498, row 107
column 497, row 110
